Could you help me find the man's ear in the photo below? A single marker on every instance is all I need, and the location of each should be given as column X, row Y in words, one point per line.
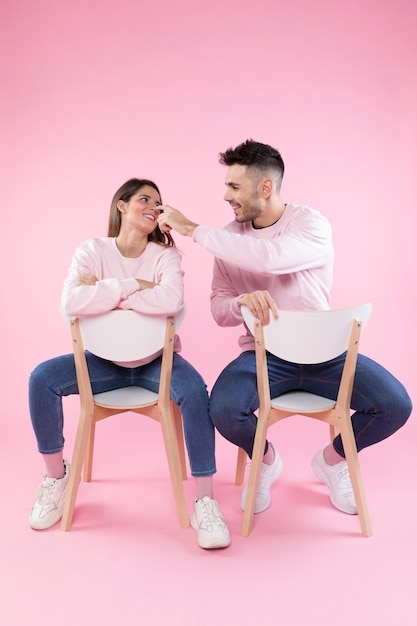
column 266, row 188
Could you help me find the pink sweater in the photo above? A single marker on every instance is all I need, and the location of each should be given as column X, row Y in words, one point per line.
column 117, row 287
column 292, row 259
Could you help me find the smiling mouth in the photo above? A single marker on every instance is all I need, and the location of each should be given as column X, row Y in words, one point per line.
column 149, row 216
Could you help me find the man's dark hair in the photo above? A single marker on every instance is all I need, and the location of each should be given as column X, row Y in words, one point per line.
column 256, row 156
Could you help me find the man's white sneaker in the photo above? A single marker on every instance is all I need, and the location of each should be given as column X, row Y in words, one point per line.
column 337, row 478
column 208, row 522
column 49, row 504
column 269, row 474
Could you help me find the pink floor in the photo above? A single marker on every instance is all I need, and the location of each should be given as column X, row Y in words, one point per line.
column 126, row 560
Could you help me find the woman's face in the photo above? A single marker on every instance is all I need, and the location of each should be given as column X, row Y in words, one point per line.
column 142, row 210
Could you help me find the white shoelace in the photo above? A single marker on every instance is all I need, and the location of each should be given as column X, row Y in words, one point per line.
column 344, row 482
column 46, row 491
column 210, row 515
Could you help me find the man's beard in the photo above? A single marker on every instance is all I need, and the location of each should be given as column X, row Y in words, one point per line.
column 249, row 214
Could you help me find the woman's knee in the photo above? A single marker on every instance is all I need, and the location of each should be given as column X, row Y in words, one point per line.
column 187, row 385
column 54, row 374
column 39, row 376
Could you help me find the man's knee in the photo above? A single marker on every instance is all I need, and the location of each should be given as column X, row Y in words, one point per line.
column 403, row 409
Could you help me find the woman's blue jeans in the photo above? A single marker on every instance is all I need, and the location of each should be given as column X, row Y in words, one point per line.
column 53, row 379
column 380, row 403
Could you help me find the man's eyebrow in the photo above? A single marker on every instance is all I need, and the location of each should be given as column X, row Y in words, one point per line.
column 230, row 183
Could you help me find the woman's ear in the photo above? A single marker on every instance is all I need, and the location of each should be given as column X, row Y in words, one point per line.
column 121, row 206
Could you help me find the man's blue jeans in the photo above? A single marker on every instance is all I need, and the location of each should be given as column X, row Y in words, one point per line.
column 53, row 379
column 380, row 403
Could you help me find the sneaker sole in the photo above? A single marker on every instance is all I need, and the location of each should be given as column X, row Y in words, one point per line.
column 35, row 526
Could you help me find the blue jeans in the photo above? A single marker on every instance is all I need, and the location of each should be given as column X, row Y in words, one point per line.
column 53, row 379
column 380, row 403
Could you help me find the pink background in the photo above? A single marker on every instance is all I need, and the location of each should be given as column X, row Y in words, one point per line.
column 96, row 92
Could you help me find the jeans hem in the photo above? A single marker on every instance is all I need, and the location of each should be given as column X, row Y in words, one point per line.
column 50, row 451
column 203, row 473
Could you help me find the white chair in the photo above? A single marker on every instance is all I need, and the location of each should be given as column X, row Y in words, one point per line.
column 306, row 337
column 126, row 336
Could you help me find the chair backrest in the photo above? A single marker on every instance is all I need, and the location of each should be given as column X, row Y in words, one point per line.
column 125, row 336
column 309, row 336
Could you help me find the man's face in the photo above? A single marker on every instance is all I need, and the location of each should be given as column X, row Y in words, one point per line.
column 242, row 193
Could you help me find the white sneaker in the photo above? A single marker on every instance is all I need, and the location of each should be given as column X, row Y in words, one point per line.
column 269, row 474
column 208, row 522
column 49, row 504
column 337, row 478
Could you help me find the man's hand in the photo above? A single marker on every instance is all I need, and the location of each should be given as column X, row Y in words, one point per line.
column 171, row 218
column 259, row 304
column 87, row 279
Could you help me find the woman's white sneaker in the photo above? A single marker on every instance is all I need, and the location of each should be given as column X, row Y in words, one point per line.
column 208, row 522
column 49, row 504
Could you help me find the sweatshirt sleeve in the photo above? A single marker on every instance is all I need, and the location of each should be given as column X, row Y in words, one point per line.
column 224, row 297
column 302, row 247
column 301, row 244
column 110, row 292
column 167, row 297
column 105, row 295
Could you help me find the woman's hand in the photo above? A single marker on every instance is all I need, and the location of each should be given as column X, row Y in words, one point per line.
column 145, row 284
column 87, row 279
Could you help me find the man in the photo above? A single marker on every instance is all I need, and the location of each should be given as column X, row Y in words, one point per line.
column 280, row 256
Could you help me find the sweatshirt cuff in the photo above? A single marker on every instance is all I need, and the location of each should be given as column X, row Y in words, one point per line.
column 235, row 309
column 130, row 285
column 199, row 233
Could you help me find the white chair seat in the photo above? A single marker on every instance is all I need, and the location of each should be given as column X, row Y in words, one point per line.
column 299, row 401
column 130, row 397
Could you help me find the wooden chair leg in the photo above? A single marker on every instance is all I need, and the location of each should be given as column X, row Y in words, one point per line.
column 255, row 472
column 240, row 466
column 88, row 461
column 352, row 459
column 333, row 432
column 80, row 446
column 171, row 448
column 179, row 431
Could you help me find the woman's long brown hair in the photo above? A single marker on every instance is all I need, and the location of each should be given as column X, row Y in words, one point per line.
column 125, row 192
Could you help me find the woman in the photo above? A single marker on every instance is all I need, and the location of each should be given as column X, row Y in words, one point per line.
column 136, row 267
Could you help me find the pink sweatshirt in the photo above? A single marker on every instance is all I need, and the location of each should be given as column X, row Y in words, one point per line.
column 292, row 259
column 117, row 287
